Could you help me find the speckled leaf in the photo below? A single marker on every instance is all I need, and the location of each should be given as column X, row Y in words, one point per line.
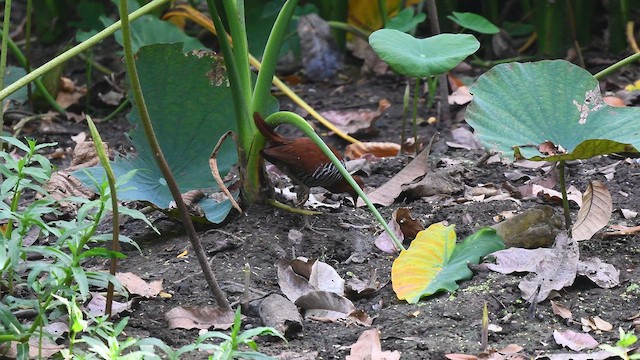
column 548, row 110
column 435, row 263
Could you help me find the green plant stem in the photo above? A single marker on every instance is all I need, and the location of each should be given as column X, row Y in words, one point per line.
column 359, row 32
column 622, row 63
column 250, row 139
column 136, row 89
column 74, row 51
column 565, row 200
column 96, row 65
column 126, row 102
column 115, row 241
column 27, row 44
column 416, row 91
column 285, row 117
column 405, row 110
column 23, row 61
column 382, row 8
column 3, row 55
column 234, row 10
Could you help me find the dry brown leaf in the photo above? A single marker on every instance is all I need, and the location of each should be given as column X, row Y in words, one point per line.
column 69, row 93
column 574, row 341
column 325, row 306
column 386, row 194
column 204, row 317
column 356, row 288
column 96, row 306
column 614, row 101
column 291, row 284
column 465, row 139
column 112, row 98
column 403, row 226
column 325, row 278
column 604, row 275
column 554, row 272
column 628, row 214
column 443, row 181
column 136, row 285
column 460, row 96
column 279, row 313
column 368, row 347
column 561, row 310
column 594, row 213
column 379, row 149
column 357, row 121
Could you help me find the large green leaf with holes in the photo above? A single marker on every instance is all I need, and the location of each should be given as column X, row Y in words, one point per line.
column 549, row 110
column 190, row 105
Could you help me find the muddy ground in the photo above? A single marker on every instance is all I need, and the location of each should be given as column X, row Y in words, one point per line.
column 441, row 324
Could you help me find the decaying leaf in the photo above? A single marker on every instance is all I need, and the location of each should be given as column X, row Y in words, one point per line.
column 291, row 284
column 386, row 194
column 368, row 347
column 96, row 306
column 603, row 274
column 204, row 317
column 440, row 181
column 278, row 312
column 463, row 138
column 594, row 213
column 325, row 306
column 404, row 227
column 561, row 310
column 325, row 278
column 460, row 96
column 356, row 288
column 137, row 286
column 554, row 272
column 355, row 121
column 595, row 323
column 574, row 341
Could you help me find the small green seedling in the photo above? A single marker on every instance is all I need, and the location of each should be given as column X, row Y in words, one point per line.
column 422, row 58
column 622, row 348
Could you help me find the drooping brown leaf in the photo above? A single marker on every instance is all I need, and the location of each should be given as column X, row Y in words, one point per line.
column 291, row 284
column 463, row 138
column 368, row 347
column 325, row 278
column 137, row 286
column 404, row 227
column 357, row 121
column 604, row 275
column 554, row 272
column 194, row 317
column 278, row 312
column 594, row 213
column 574, row 341
column 379, row 149
column 561, row 310
column 325, row 306
column 386, row 194
column 96, row 306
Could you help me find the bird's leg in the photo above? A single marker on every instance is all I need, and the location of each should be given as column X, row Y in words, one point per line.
column 302, row 194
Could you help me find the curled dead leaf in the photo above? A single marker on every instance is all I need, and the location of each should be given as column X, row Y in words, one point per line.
column 594, row 213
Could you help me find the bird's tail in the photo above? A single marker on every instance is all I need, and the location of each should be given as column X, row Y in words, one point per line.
column 266, row 131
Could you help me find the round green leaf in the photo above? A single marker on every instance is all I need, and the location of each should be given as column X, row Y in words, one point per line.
column 405, row 20
column 518, row 107
column 474, row 22
column 420, row 58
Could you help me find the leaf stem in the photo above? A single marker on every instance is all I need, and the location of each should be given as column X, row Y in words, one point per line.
column 624, row 62
column 565, row 200
column 285, row 117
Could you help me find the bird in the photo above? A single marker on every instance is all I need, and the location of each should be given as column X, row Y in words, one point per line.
column 303, row 161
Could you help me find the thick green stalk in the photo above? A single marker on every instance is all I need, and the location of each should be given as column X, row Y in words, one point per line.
column 416, row 91
column 261, row 94
column 262, row 89
column 115, row 241
column 237, row 29
column 145, row 119
column 3, row 54
column 76, row 49
column 285, row 117
column 241, row 100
